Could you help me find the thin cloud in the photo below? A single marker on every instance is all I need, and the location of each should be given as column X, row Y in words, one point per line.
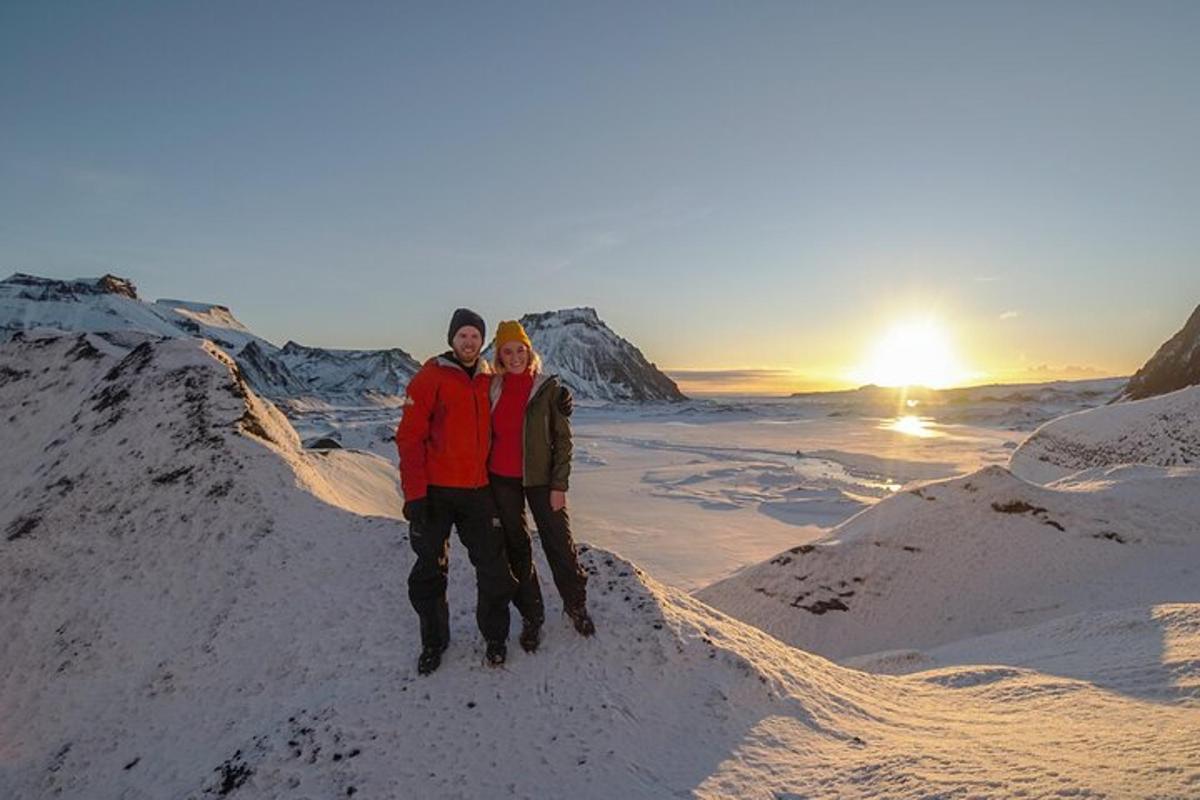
column 1010, row 315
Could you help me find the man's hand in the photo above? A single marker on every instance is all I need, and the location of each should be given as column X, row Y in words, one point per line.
column 414, row 511
column 558, row 499
column 566, row 403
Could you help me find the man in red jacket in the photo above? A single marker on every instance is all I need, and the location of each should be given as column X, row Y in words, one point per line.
column 443, row 440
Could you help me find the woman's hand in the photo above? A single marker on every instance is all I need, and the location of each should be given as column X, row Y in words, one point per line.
column 558, row 499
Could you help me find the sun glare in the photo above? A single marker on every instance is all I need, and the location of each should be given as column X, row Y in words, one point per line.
column 910, row 425
column 913, row 354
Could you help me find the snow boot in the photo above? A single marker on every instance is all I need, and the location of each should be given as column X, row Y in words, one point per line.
column 531, row 635
column 430, row 658
column 497, row 652
column 581, row 620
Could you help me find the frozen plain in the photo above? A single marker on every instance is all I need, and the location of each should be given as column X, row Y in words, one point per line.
column 695, row 491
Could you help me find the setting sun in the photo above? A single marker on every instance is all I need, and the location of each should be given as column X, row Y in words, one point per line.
column 915, row 353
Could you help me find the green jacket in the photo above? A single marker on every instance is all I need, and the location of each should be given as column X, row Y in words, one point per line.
column 547, row 433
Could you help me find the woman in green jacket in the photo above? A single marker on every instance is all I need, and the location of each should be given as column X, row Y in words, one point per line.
column 530, row 462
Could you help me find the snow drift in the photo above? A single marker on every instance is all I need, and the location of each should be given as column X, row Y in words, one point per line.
column 1163, row 430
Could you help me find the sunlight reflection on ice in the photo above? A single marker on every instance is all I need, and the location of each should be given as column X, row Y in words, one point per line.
column 911, row 426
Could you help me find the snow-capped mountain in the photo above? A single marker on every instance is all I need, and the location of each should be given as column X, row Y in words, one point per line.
column 978, row 554
column 191, row 605
column 350, row 372
column 1162, row 430
column 593, row 360
column 1175, row 365
column 110, row 305
column 268, row 373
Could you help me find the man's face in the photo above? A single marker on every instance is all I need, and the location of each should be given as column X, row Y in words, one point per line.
column 467, row 343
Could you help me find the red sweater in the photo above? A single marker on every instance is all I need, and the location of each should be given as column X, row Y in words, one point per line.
column 508, row 426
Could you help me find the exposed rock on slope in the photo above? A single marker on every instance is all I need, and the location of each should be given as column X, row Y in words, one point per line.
column 1175, row 365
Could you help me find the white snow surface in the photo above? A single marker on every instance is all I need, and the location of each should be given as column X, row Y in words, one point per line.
column 1162, row 430
column 193, row 606
column 975, row 555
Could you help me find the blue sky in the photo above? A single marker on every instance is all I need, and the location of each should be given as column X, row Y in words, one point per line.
column 734, row 186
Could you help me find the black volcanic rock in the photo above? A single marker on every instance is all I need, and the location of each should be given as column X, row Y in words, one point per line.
column 1175, row 365
column 594, row 361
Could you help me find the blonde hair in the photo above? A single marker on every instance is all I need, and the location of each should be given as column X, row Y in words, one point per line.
column 535, row 362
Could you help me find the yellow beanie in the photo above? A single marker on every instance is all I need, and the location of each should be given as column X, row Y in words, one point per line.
column 511, row 331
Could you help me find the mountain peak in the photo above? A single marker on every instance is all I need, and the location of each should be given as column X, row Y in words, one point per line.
column 595, row 362
column 584, row 314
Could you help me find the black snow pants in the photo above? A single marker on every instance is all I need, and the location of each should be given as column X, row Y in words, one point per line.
column 554, row 529
column 471, row 512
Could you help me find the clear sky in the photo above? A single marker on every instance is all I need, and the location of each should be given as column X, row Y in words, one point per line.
column 753, row 192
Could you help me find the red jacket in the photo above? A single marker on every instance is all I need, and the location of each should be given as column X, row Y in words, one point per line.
column 444, row 435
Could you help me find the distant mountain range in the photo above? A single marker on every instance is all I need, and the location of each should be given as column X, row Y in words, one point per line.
column 594, row 361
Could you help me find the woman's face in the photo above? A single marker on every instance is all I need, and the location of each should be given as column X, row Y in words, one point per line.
column 514, row 356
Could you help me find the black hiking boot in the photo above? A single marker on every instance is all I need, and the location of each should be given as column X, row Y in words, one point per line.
column 497, row 652
column 531, row 635
column 430, row 658
column 581, row 620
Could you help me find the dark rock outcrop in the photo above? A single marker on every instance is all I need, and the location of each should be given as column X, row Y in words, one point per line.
column 1174, row 366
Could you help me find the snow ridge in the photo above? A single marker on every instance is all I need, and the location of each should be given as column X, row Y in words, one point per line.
column 1162, row 430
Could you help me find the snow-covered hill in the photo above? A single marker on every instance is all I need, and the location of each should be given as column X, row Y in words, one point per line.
column 593, row 360
column 978, row 554
column 1163, row 430
column 193, row 606
column 1175, row 365
column 111, row 305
